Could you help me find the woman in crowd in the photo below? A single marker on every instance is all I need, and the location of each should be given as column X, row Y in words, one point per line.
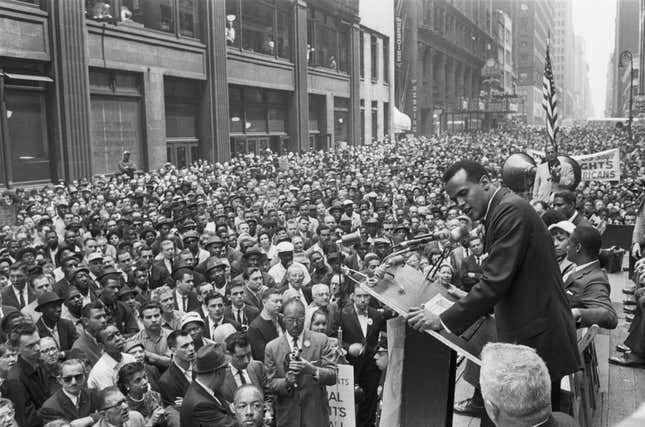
column 561, row 231
column 133, row 382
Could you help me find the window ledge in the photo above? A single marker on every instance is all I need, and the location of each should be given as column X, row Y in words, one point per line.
column 132, row 31
column 327, row 72
column 258, row 58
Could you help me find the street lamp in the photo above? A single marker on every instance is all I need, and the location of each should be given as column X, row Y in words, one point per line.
column 627, row 55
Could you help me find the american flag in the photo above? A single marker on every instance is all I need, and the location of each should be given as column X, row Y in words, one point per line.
column 550, row 101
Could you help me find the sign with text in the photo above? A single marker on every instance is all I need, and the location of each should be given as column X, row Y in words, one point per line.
column 398, row 42
column 602, row 166
column 341, row 398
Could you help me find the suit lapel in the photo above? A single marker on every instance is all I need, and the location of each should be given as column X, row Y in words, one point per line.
column 68, row 405
column 357, row 323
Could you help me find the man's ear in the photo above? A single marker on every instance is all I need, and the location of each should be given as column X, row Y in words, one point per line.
column 485, row 182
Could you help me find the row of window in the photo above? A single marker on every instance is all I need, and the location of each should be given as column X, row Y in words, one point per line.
column 374, row 57
column 375, row 120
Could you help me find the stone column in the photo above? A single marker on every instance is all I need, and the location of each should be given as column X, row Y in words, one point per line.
column 155, row 119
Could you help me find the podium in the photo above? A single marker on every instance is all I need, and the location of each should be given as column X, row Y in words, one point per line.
column 429, row 359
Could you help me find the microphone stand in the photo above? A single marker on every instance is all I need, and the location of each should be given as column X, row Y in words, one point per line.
column 435, row 267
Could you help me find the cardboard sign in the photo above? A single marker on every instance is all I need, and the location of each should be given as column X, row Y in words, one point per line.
column 341, row 398
column 602, row 166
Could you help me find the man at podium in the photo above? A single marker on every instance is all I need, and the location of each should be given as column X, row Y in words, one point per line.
column 520, row 279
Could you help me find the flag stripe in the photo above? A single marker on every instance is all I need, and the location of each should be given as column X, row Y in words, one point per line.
column 550, row 101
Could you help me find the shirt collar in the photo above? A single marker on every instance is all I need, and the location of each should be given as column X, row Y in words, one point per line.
column 583, row 266
column 71, row 397
column 300, row 338
column 574, row 216
column 490, row 202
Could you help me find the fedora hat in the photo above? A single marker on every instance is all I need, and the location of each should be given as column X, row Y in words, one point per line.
column 48, row 298
column 210, row 358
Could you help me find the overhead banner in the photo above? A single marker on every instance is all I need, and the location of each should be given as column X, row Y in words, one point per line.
column 341, row 398
column 602, row 166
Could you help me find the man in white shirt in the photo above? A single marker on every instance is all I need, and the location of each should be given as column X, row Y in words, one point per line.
column 104, row 372
column 285, row 253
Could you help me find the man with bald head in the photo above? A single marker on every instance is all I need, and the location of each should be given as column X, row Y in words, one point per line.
column 249, row 406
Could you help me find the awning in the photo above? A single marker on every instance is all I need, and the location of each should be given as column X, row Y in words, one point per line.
column 401, row 122
column 30, row 77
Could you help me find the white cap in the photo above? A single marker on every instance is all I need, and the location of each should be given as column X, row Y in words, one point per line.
column 284, row 247
column 566, row 226
column 347, row 202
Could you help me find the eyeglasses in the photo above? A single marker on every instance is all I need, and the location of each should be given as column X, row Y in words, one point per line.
column 48, row 350
column 119, row 403
column 292, row 320
column 77, row 377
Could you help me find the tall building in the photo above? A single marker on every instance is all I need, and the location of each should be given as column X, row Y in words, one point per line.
column 532, row 20
column 504, row 38
column 583, row 107
column 376, row 69
column 627, row 32
column 444, row 46
column 562, row 57
column 181, row 80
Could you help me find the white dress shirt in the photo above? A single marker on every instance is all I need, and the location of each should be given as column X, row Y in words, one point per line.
column 236, row 375
column 104, row 373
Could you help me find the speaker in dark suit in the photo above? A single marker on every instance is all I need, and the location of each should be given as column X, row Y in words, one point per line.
column 9, row 296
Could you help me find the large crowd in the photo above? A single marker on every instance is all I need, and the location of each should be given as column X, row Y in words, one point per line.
column 121, row 293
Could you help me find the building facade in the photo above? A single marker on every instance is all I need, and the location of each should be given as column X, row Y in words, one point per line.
column 504, row 38
column 178, row 80
column 532, row 20
column 445, row 46
column 562, row 57
column 626, row 37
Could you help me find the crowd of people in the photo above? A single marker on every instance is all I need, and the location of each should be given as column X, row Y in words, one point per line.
column 223, row 293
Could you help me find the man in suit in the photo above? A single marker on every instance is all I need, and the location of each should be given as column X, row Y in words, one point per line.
column 565, row 202
column 551, row 176
column 242, row 369
column 471, row 268
column 299, row 366
column 517, row 389
column 320, row 299
column 521, row 279
column 175, row 381
column 185, row 297
column 361, row 325
column 39, row 285
column 161, row 270
column 239, row 312
column 94, row 320
column 50, row 324
column 204, row 404
column 74, row 401
column 267, row 326
column 587, row 286
column 18, row 294
column 26, row 384
column 253, row 287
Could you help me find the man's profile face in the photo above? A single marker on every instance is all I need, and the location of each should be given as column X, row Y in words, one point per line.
column 241, row 357
column 471, row 197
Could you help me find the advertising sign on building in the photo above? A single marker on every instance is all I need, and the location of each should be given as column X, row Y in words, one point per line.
column 398, row 41
column 413, row 90
column 341, row 398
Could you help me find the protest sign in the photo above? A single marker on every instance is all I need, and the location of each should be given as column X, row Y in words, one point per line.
column 602, row 166
column 341, row 398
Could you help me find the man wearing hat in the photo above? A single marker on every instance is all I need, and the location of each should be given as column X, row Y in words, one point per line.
column 127, row 166
column 279, row 271
column 39, row 285
column 50, row 323
column 203, row 403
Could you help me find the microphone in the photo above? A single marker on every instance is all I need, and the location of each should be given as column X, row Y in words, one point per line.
column 455, row 235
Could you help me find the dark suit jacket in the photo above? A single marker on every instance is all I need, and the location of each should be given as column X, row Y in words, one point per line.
column 172, row 384
column 469, row 267
column 307, row 404
column 159, row 275
column 90, row 349
column 249, row 313
column 521, row 280
column 9, row 297
column 588, row 290
column 200, row 409
column 258, row 377
column 60, row 407
column 66, row 332
column 193, row 301
column 352, row 333
column 253, row 300
column 27, row 389
column 260, row 332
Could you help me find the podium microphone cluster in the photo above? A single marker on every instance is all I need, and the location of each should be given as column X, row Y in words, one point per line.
column 454, row 235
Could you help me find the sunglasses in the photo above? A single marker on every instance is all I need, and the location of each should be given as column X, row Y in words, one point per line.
column 78, row 378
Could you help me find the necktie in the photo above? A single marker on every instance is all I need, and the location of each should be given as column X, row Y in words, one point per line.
column 22, row 299
column 239, row 316
column 241, row 374
column 295, row 344
column 185, row 298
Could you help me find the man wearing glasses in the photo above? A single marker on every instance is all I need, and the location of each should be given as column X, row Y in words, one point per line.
column 299, row 367
column 74, row 401
column 114, row 411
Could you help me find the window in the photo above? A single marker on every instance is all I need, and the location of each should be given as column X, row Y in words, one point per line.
column 374, row 120
column 259, row 26
column 341, row 120
column 386, row 60
column 255, row 110
column 160, row 15
column 374, row 57
column 362, row 58
column 328, row 40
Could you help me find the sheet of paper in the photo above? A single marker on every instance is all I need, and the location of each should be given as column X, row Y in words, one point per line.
column 438, row 304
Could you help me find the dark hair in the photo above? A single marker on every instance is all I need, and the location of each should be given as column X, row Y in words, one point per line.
column 474, row 170
column 568, row 196
column 589, row 238
column 270, row 291
column 172, row 338
column 212, row 295
column 23, row 328
column 236, row 339
column 322, row 227
column 149, row 305
column 125, row 374
column 247, row 273
column 322, row 311
column 87, row 308
column 179, row 274
column 552, row 216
